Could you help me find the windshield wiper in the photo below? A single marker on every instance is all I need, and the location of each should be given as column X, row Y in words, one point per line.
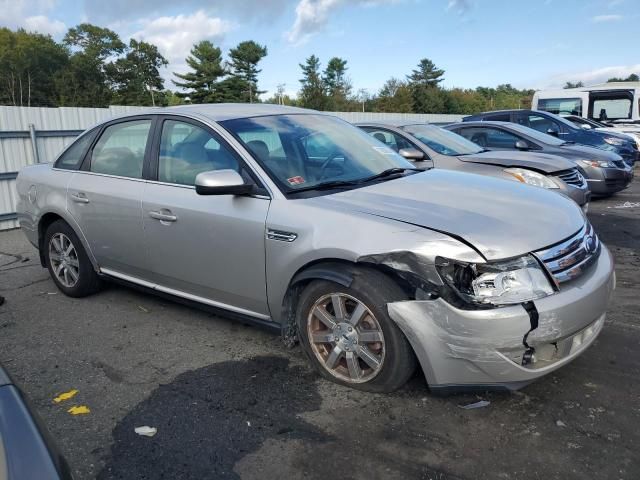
column 568, row 142
column 350, row 183
column 388, row 172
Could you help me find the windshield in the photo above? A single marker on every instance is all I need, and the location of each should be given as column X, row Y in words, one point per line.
column 536, row 135
column 442, row 141
column 302, row 151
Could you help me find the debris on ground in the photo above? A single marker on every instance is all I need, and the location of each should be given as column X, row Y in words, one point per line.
column 142, row 309
column 65, row 396
column 479, row 404
column 79, row 410
column 146, row 431
column 560, row 423
column 627, row 205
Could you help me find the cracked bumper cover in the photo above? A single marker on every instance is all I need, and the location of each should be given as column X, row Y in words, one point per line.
column 471, row 348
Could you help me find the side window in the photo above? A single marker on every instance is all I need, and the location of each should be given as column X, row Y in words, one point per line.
column 390, row 139
column 72, row 158
column 542, row 124
column 571, row 106
column 120, row 149
column 187, row 150
column 496, row 138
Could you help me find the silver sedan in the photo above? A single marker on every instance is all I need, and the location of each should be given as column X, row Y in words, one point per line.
column 302, row 222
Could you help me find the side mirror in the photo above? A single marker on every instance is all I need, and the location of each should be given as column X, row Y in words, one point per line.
column 222, row 182
column 552, row 131
column 521, row 145
column 411, row 154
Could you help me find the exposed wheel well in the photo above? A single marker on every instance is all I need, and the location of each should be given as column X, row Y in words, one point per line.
column 46, row 220
column 335, row 270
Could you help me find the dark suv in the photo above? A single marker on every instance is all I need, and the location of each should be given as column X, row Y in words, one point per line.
column 565, row 130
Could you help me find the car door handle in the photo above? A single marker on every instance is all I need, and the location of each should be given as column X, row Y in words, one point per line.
column 163, row 217
column 79, row 198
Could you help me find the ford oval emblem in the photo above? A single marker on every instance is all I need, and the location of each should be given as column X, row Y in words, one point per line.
column 590, row 244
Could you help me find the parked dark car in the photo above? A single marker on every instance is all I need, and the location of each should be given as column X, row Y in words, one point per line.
column 606, row 172
column 26, row 450
column 429, row 146
column 557, row 126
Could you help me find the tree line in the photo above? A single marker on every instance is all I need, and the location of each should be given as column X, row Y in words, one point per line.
column 93, row 67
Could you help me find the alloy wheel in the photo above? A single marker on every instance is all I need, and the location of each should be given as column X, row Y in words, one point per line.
column 346, row 337
column 64, row 260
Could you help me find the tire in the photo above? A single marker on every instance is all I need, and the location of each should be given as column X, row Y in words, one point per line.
column 365, row 323
column 80, row 279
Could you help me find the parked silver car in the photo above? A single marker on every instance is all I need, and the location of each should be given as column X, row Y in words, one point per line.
column 430, row 146
column 301, row 221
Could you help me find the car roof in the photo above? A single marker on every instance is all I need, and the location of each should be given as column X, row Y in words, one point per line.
column 391, row 123
column 490, row 112
column 483, row 123
column 227, row 111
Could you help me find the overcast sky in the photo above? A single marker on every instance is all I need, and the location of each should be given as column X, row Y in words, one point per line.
column 528, row 43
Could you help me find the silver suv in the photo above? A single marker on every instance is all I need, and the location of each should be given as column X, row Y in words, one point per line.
column 300, row 221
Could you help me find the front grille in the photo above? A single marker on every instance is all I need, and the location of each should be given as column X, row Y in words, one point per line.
column 572, row 257
column 628, row 159
column 618, row 163
column 572, row 177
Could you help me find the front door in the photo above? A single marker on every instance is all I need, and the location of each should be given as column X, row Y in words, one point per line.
column 105, row 197
column 207, row 248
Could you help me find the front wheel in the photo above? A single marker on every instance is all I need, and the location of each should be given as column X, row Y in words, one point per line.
column 349, row 336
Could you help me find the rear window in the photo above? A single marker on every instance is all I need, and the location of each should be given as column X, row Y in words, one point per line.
column 612, row 108
column 561, row 106
column 72, row 157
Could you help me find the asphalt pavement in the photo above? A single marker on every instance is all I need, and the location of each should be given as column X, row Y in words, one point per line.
column 231, row 401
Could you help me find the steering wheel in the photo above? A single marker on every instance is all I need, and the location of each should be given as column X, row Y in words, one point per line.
column 328, row 161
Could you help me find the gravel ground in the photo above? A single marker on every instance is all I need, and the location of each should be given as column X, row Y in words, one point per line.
column 230, row 401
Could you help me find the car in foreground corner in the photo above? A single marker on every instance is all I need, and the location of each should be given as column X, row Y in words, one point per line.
column 26, row 449
column 605, row 172
column 299, row 221
column 430, row 146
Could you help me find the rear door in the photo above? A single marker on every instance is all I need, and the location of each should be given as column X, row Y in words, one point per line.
column 105, row 196
column 207, row 248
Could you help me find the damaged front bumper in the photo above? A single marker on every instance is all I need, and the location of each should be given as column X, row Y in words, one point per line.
column 461, row 349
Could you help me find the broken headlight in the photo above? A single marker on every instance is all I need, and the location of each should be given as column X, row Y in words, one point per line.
column 496, row 283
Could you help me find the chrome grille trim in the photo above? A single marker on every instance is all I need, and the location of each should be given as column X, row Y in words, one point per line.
column 572, row 177
column 572, row 257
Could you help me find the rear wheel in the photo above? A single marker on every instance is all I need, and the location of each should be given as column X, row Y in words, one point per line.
column 67, row 261
column 349, row 336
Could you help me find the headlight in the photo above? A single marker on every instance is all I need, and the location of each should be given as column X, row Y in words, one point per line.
column 531, row 178
column 614, row 141
column 496, row 283
column 597, row 163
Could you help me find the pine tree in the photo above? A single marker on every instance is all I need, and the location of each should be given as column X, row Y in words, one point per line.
column 337, row 85
column 243, row 65
column 202, row 82
column 312, row 93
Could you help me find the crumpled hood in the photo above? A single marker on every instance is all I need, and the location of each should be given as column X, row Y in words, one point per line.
column 542, row 162
column 500, row 218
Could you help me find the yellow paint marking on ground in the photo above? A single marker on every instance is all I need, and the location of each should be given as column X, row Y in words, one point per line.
column 65, row 396
column 79, row 410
